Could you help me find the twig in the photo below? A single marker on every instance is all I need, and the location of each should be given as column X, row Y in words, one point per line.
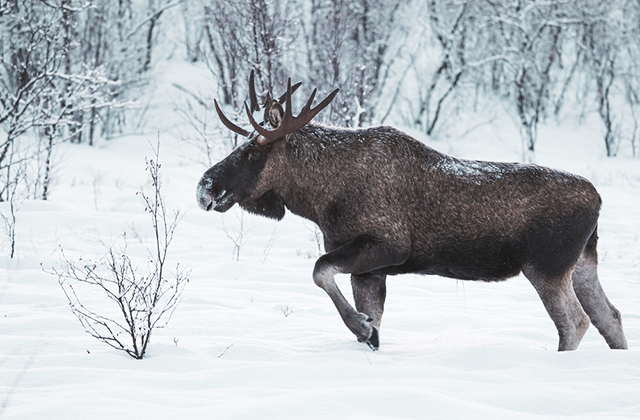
column 225, row 350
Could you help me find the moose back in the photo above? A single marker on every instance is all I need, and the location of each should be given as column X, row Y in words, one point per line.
column 387, row 204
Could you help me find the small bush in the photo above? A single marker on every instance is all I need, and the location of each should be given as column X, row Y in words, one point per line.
column 143, row 301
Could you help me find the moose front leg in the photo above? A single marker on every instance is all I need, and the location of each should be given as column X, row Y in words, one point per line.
column 369, row 293
column 362, row 255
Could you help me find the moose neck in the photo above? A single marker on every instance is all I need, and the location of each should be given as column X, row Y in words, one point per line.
column 311, row 158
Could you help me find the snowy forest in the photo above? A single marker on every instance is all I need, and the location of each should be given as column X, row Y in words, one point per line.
column 72, row 70
column 107, row 122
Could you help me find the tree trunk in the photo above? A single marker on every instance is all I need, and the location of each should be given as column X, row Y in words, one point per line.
column 47, row 166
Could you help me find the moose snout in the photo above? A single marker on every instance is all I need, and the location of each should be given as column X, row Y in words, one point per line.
column 205, row 202
column 204, row 197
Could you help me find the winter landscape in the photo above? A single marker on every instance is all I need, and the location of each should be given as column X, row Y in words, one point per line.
column 252, row 336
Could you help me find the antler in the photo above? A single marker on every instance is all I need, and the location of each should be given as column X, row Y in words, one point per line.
column 254, row 107
column 289, row 123
column 253, row 98
column 284, row 95
column 231, row 126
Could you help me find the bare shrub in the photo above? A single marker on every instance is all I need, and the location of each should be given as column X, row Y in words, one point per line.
column 286, row 310
column 237, row 234
column 15, row 173
column 143, row 301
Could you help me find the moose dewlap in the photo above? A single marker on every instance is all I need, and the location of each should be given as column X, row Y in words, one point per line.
column 387, row 204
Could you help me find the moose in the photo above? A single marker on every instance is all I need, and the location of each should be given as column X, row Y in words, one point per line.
column 387, row 204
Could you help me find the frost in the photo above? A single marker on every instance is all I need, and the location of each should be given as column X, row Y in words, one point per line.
column 473, row 170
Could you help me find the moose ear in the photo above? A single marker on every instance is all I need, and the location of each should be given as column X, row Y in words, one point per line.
column 275, row 115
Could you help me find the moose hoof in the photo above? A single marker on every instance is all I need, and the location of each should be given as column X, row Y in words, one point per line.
column 374, row 341
column 361, row 326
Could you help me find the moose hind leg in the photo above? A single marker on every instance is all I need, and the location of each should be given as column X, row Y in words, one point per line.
column 369, row 293
column 563, row 307
column 604, row 316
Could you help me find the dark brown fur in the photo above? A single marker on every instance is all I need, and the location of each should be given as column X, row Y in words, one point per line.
column 388, row 204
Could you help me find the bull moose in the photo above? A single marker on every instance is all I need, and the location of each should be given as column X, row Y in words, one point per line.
column 388, row 204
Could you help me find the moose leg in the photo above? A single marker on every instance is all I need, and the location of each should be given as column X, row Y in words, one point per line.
column 563, row 307
column 369, row 293
column 362, row 255
column 604, row 316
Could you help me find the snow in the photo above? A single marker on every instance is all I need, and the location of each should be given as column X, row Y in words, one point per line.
column 473, row 171
column 255, row 338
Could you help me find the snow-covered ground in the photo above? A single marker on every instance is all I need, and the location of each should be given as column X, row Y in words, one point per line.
column 256, row 339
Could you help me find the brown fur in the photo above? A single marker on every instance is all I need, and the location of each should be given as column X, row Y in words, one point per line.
column 388, row 204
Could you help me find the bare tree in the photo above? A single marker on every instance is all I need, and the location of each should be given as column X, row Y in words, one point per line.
column 526, row 45
column 610, row 32
column 530, row 53
column 193, row 30
column 28, row 64
column 631, row 78
column 116, row 39
column 155, row 9
column 15, row 175
column 632, row 97
column 247, row 35
column 448, row 24
column 353, row 46
column 87, row 93
column 45, row 91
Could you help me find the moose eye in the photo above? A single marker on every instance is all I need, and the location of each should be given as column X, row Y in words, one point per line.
column 255, row 155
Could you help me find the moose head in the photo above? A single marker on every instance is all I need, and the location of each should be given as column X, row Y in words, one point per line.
column 236, row 178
